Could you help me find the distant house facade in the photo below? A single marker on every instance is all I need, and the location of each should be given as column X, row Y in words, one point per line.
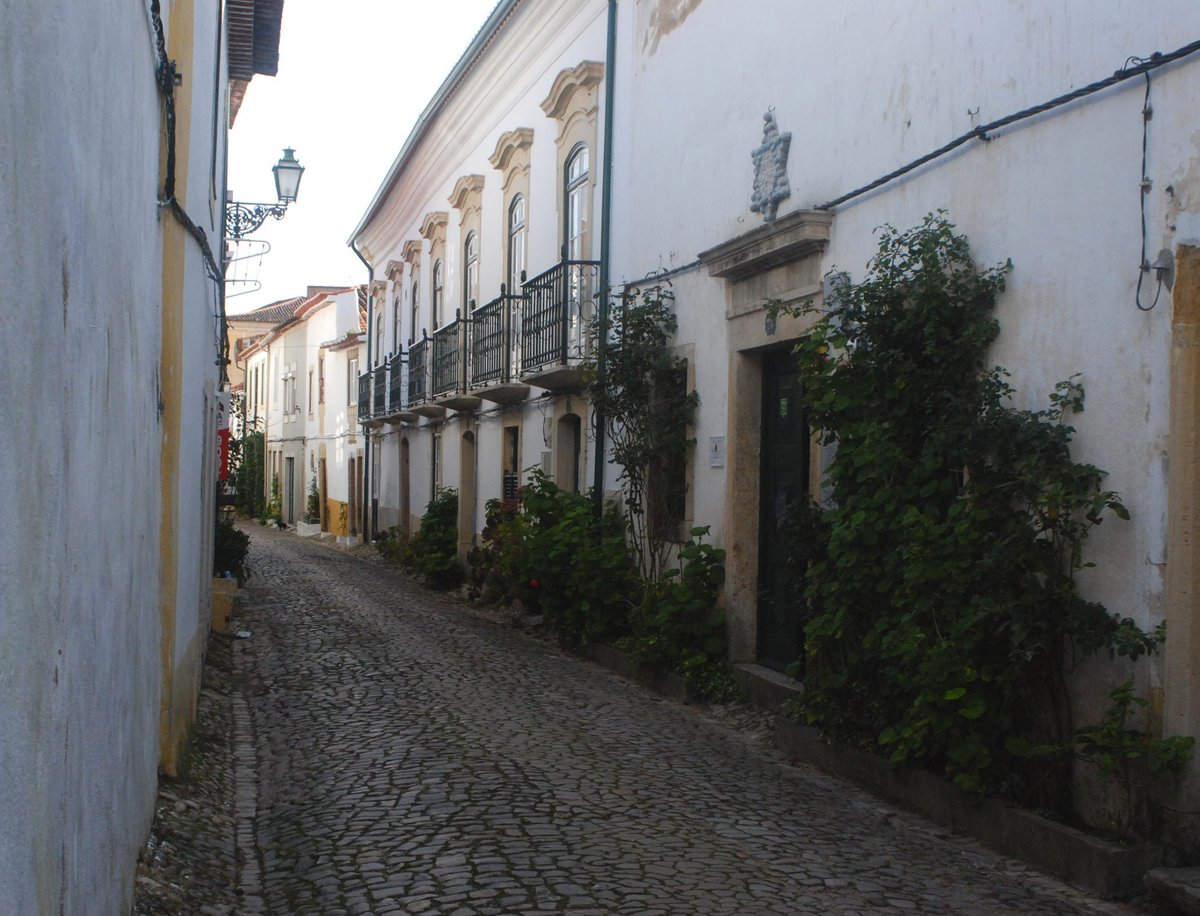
column 301, row 385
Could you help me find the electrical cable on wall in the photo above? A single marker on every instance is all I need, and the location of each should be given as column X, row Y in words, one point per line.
column 1144, row 192
column 168, row 79
column 1134, row 66
column 1142, row 66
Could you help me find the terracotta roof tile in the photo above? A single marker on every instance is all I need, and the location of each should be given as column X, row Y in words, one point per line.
column 273, row 313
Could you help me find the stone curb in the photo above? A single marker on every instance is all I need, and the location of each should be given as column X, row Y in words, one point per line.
column 671, row 686
column 1178, row 886
column 1092, row 864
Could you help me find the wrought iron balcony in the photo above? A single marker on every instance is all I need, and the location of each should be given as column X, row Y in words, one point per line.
column 450, row 386
column 418, row 372
column 364, row 397
column 494, row 349
column 420, row 401
column 379, row 390
column 446, row 363
column 390, row 379
column 557, row 306
column 397, row 411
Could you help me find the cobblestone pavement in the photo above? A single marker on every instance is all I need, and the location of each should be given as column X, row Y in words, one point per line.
column 397, row 754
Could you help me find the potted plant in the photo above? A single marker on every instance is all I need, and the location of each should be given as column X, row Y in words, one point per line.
column 311, row 525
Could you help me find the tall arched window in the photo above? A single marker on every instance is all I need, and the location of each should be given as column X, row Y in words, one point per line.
column 470, row 272
column 396, row 316
column 516, row 242
column 575, row 194
column 379, row 320
column 415, row 310
column 438, row 292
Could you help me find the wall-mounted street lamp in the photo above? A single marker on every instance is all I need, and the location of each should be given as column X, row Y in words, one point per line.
column 243, row 218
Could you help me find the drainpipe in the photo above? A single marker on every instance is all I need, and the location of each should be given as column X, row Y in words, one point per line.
column 367, row 521
column 605, row 226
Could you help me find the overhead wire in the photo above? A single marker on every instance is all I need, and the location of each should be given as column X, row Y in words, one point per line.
column 1139, row 66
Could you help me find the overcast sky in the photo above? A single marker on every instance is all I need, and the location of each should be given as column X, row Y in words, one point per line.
column 353, row 78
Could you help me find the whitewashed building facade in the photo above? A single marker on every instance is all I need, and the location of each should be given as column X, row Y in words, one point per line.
column 495, row 194
column 301, row 392
column 110, row 362
column 1061, row 137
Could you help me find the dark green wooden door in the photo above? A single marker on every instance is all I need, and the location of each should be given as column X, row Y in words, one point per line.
column 783, row 476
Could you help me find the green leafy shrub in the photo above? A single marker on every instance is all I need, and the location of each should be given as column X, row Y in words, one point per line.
column 500, row 564
column 247, row 468
column 1132, row 758
column 944, row 610
column 393, row 545
column 433, row 551
column 549, row 550
column 274, row 509
column 230, row 549
column 678, row 626
column 312, row 507
column 577, row 568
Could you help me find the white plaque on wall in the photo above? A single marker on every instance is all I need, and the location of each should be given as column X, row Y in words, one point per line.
column 716, row 451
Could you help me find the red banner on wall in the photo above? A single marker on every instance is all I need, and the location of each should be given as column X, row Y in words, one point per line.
column 223, row 433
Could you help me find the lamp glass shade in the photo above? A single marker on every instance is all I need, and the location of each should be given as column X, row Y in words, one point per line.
column 287, row 176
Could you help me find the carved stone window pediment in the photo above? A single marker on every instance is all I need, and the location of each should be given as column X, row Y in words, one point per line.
column 511, row 156
column 586, row 76
column 412, row 252
column 434, row 224
column 467, row 193
column 510, row 144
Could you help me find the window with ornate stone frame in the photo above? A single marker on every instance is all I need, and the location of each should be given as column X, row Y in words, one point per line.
column 574, row 103
column 515, row 251
column 511, row 159
column 437, row 292
column 470, row 297
column 467, row 199
column 397, row 317
column 433, row 228
column 415, row 308
column 395, row 274
column 577, row 198
column 379, row 304
column 435, row 464
column 412, row 257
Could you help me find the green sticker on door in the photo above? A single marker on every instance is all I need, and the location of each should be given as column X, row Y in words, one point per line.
column 783, row 407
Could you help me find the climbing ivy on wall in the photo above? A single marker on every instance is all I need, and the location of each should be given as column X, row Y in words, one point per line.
column 944, row 609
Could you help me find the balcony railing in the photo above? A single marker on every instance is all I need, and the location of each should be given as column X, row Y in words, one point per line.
column 418, row 372
column 379, row 390
column 557, row 305
column 495, row 349
column 396, row 384
column 447, row 365
column 364, row 396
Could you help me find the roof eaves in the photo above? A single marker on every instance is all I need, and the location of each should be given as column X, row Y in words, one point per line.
column 483, row 38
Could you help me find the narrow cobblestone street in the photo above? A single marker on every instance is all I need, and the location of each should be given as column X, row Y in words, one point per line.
column 395, row 753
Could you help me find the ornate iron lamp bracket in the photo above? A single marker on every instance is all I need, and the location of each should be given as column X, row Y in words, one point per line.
column 242, row 219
